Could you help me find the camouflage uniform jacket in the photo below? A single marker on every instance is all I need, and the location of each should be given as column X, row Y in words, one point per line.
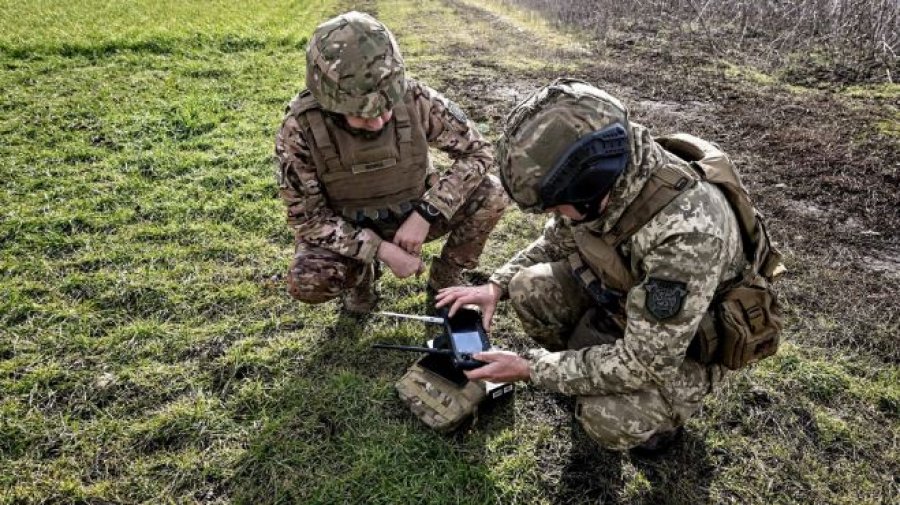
column 694, row 240
column 308, row 210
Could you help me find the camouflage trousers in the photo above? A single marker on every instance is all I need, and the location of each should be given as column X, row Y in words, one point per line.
column 317, row 275
column 558, row 313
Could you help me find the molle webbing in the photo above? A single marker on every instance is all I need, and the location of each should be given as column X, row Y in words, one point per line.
column 309, row 113
column 323, row 140
column 366, row 176
column 404, row 131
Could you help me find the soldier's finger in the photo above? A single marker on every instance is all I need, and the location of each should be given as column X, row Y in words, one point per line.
column 487, row 317
column 474, row 375
column 460, row 301
column 489, row 356
column 443, row 300
column 487, row 372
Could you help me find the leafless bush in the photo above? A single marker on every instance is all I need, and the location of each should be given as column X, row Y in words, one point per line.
column 841, row 40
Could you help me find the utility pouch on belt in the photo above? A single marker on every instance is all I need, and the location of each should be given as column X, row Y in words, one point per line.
column 742, row 326
column 437, row 400
column 750, row 324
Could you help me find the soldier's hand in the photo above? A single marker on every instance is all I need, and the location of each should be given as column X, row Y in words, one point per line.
column 411, row 234
column 485, row 296
column 502, row 366
column 399, row 261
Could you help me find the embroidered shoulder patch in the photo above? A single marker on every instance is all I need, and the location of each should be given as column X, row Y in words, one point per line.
column 664, row 297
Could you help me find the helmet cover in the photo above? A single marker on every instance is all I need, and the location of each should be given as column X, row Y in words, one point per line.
column 354, row 66
column 544, row 128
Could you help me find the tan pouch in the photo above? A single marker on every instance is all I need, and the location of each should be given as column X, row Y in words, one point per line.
column 437, row 401
column 749, row 323
column 743, row 326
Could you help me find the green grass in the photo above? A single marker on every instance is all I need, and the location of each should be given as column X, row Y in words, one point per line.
column 149, row 351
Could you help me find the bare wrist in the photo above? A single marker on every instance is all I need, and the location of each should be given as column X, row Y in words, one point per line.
column 525, row 370
column 495, row 290
column 383, row 247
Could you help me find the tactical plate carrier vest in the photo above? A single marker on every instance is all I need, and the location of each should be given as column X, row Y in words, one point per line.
column 744, row 319
column 366, row 177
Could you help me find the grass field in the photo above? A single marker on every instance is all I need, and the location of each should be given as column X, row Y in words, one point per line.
column 149, row 352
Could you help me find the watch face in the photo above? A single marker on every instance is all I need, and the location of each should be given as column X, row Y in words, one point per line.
column 428, row 211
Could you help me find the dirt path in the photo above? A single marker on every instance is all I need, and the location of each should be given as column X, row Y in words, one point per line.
column 814, row 160
column 826, row 179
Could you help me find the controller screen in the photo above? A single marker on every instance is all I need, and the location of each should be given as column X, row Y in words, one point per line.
column 467, row 342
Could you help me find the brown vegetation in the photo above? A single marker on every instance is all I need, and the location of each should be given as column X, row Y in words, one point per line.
column 826, row 40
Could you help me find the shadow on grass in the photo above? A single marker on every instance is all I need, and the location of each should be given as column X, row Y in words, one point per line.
column 592, row 474
column 682, row 474
column 338, row 434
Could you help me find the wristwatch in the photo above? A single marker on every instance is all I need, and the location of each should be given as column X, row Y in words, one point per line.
column 428, row 212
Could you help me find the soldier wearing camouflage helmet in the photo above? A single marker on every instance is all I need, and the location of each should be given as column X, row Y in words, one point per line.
column 617, row 285
column 355, row 172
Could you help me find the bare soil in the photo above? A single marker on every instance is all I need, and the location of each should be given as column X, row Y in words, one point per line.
column 819, row 168
column 822, row 172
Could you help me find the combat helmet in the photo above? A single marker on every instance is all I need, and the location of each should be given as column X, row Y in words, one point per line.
column 353, row 66
column 565, row 144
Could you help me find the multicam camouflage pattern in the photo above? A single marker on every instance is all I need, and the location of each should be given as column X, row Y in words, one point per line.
column 468, row 231
column 439, row 403
column 353, row 66
column 540, row 129
column 641, row 383
column 317, row 223
column 318, row 274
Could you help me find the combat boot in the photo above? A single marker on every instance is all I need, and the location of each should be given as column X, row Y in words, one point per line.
column 442, row 275
column 363, row 297
column 659, row 443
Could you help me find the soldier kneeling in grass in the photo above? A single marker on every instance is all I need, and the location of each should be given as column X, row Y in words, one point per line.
column 355, row 172
column 650, row 280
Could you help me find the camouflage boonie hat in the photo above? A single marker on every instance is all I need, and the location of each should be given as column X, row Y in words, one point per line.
column 541, row 128
column 353, row 66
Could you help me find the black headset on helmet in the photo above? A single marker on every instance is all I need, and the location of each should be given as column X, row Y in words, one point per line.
column 586, row 171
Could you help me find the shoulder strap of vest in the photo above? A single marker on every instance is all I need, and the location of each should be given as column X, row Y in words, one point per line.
column 302, row 103
column 664, row 185
column 309, row 113
column 714, row 166
column 316, row 121
column 403, row 128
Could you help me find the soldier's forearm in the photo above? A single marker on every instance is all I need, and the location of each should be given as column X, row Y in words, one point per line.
column 455, row 187
column 341, row 238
